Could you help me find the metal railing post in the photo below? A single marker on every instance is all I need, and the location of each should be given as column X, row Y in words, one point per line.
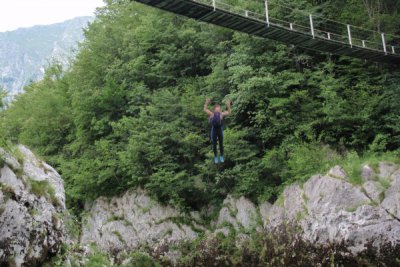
column 349, row 35
column 312, row 26
column 384, row 43
column 266, row 12
column 214, row 5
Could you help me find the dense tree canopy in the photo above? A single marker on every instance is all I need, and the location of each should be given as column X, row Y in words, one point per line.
column 129, row 111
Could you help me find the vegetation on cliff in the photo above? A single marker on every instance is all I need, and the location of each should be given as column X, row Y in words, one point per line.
column 128, row 113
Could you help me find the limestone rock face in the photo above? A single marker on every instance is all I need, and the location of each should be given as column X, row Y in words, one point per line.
column 134, row 220
column 32, row 200
column 329, row 209
column 239, row 213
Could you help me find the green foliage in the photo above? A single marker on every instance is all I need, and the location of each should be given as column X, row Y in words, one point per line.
column 98, row 259
column 352, row 166
column 272, row 249
column 3, row 95
column 379, row 144
column 306, row 160
column 138, row 259
column 128, row 113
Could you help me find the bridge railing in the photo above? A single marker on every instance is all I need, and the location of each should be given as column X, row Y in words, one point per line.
column 255, row 15
column 206, row 2
column 316, row 26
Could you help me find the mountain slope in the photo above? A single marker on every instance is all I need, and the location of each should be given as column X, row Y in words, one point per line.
column 25, row 52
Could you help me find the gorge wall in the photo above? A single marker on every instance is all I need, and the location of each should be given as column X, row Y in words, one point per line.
column 326, row 210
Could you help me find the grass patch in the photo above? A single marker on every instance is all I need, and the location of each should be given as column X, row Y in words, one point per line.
column 355, row 207
column 181, row 221
column 18, row 155
column 127, row 223
column 33, row 212
column 19, row 172
column 114, row 218
column 352, row 209
column 304, row 196
column 2, row 162
column 385, row 183
column 2, row 210
column 97, row 259
column 382, row 196
column 233, row 213
column 143, row 260
column 43, row 188
column 352, row 163
column 281, row 200
column 300, row 216
column 119, row 236
column 7, row 190
column 168, row 232
column 305, row 160
column 144, row 210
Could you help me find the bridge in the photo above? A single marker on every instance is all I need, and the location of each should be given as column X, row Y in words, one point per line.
column 291, row 26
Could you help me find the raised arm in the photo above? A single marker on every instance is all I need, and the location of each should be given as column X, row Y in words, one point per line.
column 206, row 110
column 228, row 107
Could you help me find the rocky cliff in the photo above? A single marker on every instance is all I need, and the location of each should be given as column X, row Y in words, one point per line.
column 32, row 202
column 326, row 211
column 133, row 221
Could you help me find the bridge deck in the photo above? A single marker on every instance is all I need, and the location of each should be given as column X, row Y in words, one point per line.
column 258, row 27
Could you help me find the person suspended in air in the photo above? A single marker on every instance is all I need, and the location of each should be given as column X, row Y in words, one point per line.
column 216, row 118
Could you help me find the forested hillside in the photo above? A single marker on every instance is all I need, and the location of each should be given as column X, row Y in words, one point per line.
column 129, row 112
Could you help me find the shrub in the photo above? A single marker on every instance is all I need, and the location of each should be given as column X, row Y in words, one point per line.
column 7, row 190
column 308, row 159
column 281, row 247
column 44, row 188
column 98, row 259
column 139, row 259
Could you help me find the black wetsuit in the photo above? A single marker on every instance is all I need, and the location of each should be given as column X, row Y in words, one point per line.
column 217, row 133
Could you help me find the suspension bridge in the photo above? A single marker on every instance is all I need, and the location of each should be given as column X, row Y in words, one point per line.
column 291, row 26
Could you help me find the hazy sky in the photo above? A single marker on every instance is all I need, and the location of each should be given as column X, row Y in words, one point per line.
column 25, row 13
